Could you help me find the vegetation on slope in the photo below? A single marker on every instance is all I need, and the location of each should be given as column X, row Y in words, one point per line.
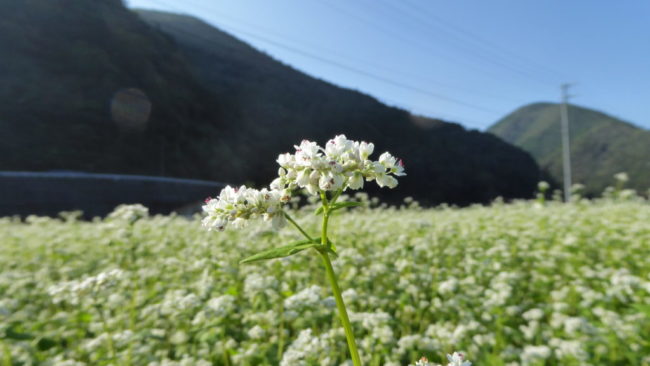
column 62, row 64
column 277, row 105
column 601, row 145
column 77, row 76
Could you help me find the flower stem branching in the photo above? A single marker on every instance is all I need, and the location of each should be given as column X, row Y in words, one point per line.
column 321, row 171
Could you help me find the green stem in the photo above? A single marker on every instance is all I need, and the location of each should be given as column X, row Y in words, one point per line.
column 331, row 276
column 343, row 314
column 323, row 239
column 6, row 355
column 109, row 339
column 281, row 331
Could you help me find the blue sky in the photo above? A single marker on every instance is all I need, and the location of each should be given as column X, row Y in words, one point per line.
column 469, row 61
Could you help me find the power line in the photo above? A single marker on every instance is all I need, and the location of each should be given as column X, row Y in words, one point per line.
column 416, row 41
column 425, row 25
column 412, row 41
column 366, row 62
column 345, row 67
column 367, row 74
column 479, row 40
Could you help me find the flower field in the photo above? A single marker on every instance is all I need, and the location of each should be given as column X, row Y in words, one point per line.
column 526, row 283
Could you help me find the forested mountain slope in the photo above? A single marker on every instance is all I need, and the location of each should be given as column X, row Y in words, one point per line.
column 601, row 145
column 90, row 86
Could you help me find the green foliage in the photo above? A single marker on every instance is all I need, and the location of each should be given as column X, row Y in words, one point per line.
column 281, row 251
column 601, row 145
column 492, row 281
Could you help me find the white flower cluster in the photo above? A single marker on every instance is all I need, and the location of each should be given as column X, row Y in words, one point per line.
column 236, row 206
column 581, row 306
column 309, row 349
column 342, row 164
column 74, row 291
column 129, row 213
column 454, row 360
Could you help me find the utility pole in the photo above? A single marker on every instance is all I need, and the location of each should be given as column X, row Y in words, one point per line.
column 566, row 148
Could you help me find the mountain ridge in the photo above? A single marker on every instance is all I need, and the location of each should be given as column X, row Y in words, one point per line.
column 218, row 110
column 307, row 107
column 601, row 145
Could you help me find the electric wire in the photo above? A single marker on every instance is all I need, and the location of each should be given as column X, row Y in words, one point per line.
column 341, row 66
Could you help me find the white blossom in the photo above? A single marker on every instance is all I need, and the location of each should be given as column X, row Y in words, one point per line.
column 235, row 206
column 342, row 164
column 129, row 213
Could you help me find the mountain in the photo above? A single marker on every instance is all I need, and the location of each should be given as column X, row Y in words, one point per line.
column 601, row 145
column 92, row 86
column 278, row 105
column 86, row 85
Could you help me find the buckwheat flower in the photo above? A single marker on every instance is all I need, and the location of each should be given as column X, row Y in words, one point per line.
column 365, row 149
column 385, row 180
column 355, row 181
column 86, row 288
column 343, row 164
column 308, row 153
column 330, row 181
column 422, row 362
column 256, row 332
column 286, row 161
column 129, row 213
column 338, row 146
column 534, row 354
column 391, row 164
column 533, row 314
column 621, row 177
column 457, row 360
column 236, row 206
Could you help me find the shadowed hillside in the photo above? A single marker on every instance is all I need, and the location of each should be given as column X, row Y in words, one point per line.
column 601, row 145
column 278, row 106
column 90, row 86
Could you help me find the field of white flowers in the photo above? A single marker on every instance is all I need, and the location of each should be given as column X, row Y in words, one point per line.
column 510, row 284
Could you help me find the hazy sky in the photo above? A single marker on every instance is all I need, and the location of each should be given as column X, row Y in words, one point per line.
column 467, row 61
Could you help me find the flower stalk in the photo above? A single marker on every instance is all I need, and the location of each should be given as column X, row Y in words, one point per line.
column 340, row 305
column 341, row 165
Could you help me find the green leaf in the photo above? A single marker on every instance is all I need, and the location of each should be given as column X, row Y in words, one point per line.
column 331, row 245
column 232, row 290
column 318, row 211
column 339, row 205
column 333, row 252
column 45, row 343
column 15, row 331
column 278, row 252
column 84, row 317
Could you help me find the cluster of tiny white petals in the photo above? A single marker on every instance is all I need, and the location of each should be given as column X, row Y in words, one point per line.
column 341, row 164
column 236, row 206
column 129, row 213
column 456, row 359
column 74, row 291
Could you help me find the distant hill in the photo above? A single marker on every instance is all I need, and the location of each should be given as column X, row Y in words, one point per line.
column 601, row 145
column 90, row 86
column 69, row 71
column 278, row 105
